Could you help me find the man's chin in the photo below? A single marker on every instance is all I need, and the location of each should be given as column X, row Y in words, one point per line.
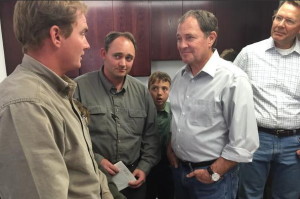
column 77, row 66
column 121, row 75
column 278, row 36
column 185, row 59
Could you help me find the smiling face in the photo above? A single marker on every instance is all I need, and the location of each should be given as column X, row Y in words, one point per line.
column 159, row 91
column 194, row 47
column 118, row 59
column 286, row 26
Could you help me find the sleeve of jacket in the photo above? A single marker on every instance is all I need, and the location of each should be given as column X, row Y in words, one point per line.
column 105, row 191
column 31, row 148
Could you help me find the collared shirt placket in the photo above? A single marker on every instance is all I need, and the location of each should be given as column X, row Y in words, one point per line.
column 116, row 106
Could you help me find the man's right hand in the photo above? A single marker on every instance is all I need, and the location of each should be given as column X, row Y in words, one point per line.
column 172, row 157
column 109, row 167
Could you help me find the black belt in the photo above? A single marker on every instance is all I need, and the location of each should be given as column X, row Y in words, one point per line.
column 280, row 132
column 196, row 164
column 132, row 166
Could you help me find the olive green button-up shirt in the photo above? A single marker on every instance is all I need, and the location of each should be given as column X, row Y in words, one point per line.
column 163, row 123
column 45, row 146
column 123, row 124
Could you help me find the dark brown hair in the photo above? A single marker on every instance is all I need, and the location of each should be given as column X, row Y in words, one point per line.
column 162, row 76
column 111, row 36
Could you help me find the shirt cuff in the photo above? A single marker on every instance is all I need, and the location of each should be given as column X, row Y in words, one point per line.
column 237, row 154
column 98, row 158
column 144, row 166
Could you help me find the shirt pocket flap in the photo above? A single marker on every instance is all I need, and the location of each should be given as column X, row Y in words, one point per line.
column 137, row 113
column 95, row 110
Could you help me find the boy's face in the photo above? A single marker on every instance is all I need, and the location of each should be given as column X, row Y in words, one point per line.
column 160, row 93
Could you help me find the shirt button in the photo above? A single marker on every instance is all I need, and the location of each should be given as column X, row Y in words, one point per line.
column 179, row 130
column 119, row 141
column 183, row 113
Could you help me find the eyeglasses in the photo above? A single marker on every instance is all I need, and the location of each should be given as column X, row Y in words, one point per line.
column 287, row 21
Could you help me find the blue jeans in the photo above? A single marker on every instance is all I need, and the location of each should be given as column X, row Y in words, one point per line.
column 277, row 156
column 191, row 188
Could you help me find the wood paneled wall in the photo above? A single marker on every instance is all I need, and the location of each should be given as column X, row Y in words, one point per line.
column 154, row 24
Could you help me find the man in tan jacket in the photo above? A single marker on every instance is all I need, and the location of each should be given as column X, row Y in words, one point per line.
column 45, row 147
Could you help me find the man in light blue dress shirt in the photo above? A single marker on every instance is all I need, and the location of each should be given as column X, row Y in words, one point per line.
column 273, row 68
column 213, row 122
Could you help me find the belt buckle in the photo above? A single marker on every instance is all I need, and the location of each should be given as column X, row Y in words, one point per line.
column 278, row 132
column 191, row 166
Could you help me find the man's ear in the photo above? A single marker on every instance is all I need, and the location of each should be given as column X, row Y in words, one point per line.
column 212, row 38
column 55, row 35
column 102, row 53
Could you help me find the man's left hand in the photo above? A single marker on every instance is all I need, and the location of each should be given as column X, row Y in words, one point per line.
column 140, row 176
column 201, row 175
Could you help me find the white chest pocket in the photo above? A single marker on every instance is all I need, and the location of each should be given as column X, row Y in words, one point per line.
column 202, row 112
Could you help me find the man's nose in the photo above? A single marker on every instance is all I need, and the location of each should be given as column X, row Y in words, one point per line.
column 122, row 62
column 282, row 22
column 182, row 44
column 86, row 45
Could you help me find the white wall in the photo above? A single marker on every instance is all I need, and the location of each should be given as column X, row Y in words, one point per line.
column 170, row 67
column 2, row 61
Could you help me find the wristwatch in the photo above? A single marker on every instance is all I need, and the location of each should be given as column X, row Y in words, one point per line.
column 214, row 176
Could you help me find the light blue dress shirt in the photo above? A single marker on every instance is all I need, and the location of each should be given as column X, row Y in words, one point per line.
column 213, row 113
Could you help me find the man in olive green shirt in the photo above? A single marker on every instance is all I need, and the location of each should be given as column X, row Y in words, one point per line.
column 45, row 147
column 123, row 115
